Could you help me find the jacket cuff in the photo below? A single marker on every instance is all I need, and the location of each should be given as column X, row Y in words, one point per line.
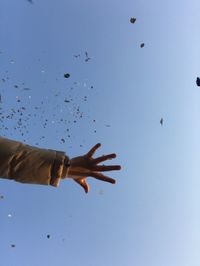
column 57, row 168
column 66, row 167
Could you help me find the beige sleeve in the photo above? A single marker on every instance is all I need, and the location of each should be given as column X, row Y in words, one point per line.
column 32, row 165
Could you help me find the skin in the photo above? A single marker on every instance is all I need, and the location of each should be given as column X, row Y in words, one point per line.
column 84, row 166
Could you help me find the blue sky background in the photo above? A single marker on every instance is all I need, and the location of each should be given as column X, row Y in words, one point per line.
column 152, row 215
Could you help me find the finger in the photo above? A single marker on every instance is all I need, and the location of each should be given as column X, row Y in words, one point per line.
column 104, row 158
column 102, row 177
column 103, row 168
column 82, row 182
column 93, row 150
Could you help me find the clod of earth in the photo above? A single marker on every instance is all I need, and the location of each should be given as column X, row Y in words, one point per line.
column 132, row 20
column 66, row 75
column 198, row 81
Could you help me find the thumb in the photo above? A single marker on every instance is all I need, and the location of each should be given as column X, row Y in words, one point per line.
column 82, row 182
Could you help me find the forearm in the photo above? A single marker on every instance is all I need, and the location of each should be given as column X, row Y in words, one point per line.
column 28, row 164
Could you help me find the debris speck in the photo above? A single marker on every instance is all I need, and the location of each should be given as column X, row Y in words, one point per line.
column 161, row 121
column 48, row 236
column 13, row 246
column 66, row 101
column 87, row 57
column 77, row 55
column 9, row 215
column 1, row 197
column 142, row 45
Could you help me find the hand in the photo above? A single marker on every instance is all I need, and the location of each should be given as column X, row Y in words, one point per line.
column 83, row 166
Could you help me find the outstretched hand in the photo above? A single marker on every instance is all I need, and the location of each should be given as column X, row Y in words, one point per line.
column 84, row 166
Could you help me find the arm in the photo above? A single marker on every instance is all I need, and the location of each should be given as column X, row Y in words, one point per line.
column 32, row 165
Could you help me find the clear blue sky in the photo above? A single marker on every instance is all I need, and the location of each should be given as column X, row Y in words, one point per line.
column 152, row 215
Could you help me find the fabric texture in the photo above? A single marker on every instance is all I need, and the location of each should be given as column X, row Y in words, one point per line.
column 31, row 165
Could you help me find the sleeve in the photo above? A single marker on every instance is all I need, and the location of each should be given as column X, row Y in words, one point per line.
column 31, row 165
